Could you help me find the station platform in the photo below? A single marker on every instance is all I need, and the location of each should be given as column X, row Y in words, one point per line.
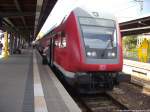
column 139, row 72
column 28, row 86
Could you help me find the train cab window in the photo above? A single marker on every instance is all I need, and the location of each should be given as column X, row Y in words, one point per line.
column 96, row 37
column 98, row 33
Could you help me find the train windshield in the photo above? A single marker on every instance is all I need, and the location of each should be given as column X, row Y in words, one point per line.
column 98, row 33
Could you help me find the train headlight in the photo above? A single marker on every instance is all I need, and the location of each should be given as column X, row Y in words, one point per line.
column 94, row 54
column 91, row 54
column 111, row 54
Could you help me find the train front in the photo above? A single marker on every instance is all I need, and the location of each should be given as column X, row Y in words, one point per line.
column 102, row 56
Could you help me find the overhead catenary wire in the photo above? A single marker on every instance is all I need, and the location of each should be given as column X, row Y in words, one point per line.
column 124, row 9
column 135, row 4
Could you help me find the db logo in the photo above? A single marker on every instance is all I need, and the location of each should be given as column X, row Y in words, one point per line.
column 102, row 67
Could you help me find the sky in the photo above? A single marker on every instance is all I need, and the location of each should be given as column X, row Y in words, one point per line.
column 124, row 10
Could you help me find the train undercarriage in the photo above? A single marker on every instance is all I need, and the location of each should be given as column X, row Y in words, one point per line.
column 94, row 82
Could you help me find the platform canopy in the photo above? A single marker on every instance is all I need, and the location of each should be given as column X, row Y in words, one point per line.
column 24, row 16
column 136, row 26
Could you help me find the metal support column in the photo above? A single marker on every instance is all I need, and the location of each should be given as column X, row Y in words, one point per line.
column 6, row 52
column 19, row 40
column 11, row 43
column 15, row 42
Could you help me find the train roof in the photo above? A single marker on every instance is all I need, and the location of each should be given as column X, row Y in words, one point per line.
column 81, row 12
column 93, row 13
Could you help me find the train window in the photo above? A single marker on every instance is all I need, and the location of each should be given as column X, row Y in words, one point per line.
column 63, row 40
column 56, row 42
column 62, row 34
column 99, row 37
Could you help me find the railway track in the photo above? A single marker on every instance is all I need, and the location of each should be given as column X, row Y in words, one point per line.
column 92, row 102
column 104, row 102
column 99, row 103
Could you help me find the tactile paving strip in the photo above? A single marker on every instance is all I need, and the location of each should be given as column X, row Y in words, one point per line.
column 28, row 103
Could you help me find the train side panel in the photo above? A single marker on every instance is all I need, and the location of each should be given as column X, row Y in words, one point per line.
column 75, row 49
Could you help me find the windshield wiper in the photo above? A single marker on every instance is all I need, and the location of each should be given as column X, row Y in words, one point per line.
column 104, row 50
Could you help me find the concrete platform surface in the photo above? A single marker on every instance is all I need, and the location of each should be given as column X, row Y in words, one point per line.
column 16, row 89
column 57, row 98
column 28, row 86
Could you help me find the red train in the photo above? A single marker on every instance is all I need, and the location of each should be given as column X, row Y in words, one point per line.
column 86, row 48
